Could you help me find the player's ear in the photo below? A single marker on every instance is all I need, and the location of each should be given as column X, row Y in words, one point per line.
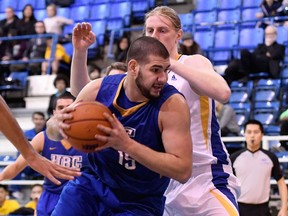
column 133, row 66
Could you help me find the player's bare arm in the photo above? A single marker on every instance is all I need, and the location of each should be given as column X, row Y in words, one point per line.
column 12, row 170
column 82, row 38
column 199, row 72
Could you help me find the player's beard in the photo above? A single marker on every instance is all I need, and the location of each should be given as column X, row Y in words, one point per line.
column 145, row 91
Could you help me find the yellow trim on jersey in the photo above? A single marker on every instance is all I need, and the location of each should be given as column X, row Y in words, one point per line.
column 204, row 110
column 66, row 144
column 126, row 112
column 230, row 209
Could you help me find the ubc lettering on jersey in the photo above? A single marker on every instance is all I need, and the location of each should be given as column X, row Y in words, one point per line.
column 67, row 160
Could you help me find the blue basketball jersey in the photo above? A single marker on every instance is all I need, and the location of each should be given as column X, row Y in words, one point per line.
column 64, row 155
column 117, row 169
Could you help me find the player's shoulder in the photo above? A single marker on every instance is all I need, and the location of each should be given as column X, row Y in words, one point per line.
column 197, row 60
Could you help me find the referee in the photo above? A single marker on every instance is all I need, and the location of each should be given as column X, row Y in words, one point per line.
column 254, row 168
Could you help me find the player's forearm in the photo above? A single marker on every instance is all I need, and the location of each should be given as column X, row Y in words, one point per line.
column 11, row 171
column 79, row 72
column 52, row 131
column 163, row 163
column 11, row 129
column 203, row 79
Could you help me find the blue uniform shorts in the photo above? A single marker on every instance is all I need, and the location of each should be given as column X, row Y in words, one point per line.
column 47, row 203
column 88, row 195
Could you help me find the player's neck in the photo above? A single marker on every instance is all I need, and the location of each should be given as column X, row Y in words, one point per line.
column 132, row 92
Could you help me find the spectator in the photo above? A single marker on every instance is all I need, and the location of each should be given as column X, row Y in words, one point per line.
column 227, row 120
column 116, row 68
column 36, row 49
column 38, row 119
column 267, row 57
column 61, row 57
column 94, row 71
column 36, row 192
column 123, row 45
column 10, row 22
column 254, row 168
column 61, row 83
column 14, row 51
column 6, row 205
column 188, row 45
column 269, row 8
column 26, row 24
column 54, row 23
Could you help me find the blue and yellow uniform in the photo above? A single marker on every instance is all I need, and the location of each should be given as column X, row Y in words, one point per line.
column 63, row 154
column 116, row 184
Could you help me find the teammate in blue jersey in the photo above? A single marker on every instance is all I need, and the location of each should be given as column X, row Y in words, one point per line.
column 149, row 142
column 59, row 152
column 12, row 131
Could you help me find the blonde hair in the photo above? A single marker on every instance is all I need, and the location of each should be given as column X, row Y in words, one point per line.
column 166, row 12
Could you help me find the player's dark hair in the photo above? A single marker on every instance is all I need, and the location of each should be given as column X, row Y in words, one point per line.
column 143, row 47
column 65, row 96
column 5, row 187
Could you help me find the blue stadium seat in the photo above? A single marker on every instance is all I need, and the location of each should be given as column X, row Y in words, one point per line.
column 22, row 3
column 40, row 14
column 68, row 48
column 64, row 12
column 251, row 3
column 242, row 116
column 265, row 116
column 205, row 39
column 240, row 96
column 273, row 84
column 186, row 21
column 204, row 20
column 121, row 11
column 40, row 4
column 2, row 16
column 82, row 2
column 99, row 11
column 266, row 90
column 228, row 4
column 241, row 106
column 249, row 38
column 99, row 28
column 282, row 36
column 248, row 17
column 240, row 86
column 272, row 130
column 201, row 5
column 81, row 11
column 8, row 3
column 228, row 18
column 68, row 29
column 19, row 84
column 139, row 9
column 224, row 41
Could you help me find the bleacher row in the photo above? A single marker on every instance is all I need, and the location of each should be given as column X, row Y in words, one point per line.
column 224, row 27
column 263, row 100
column 104, row 15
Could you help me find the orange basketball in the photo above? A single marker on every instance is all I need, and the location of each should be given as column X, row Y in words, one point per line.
column 83, row 125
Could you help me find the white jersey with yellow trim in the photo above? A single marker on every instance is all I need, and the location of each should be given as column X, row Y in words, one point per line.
column 207, row 145
column 212, row 188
